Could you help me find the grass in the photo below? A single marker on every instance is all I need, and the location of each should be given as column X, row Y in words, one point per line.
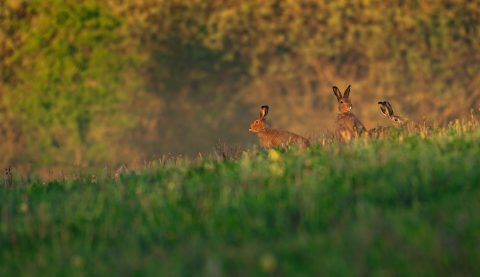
column 407, row 205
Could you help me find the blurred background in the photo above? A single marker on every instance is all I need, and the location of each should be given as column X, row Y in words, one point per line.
column 92, row 83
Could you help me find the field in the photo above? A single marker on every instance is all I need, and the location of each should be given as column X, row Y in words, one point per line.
column 407, row 205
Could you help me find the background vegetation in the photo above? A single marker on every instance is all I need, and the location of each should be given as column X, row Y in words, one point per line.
column 407, row 205
column 88, row 83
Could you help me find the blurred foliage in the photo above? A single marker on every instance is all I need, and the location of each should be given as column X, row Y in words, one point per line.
column 407, row 205
column 188, row 73
column 62, row 68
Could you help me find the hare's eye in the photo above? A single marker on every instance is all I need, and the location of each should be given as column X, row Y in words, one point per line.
column 341, row 101
column 256, row 121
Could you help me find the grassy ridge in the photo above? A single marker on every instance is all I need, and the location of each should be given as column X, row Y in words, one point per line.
column 407, row 205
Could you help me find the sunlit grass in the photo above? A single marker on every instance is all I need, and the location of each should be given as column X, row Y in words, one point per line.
column 405, row 205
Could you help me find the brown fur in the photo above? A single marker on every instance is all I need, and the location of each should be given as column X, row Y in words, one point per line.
column 379, row 132
column 275, row 138
column 348, row 125
column 398, row 121
column 387, row 111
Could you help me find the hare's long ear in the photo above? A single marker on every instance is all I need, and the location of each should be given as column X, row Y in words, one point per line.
column 337, row 93
column 347, row 92
column 389, row 107
column 384, row 108
column 263, row 111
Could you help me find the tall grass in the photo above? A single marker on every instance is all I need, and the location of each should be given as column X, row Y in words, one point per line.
column 405, row 205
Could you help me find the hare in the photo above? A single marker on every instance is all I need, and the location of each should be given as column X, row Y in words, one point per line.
column 274, row 138
column 387, row 110
column 348, row 125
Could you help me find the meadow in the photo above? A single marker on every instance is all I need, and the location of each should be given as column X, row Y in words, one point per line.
column 406, row 205
column 87, row 86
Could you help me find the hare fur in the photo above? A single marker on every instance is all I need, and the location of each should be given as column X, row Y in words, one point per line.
column 398, row 121
column 348, row 126
column 272, row 137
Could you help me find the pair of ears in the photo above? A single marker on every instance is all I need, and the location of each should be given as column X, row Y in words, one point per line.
column 386, row 108
column 338, row 93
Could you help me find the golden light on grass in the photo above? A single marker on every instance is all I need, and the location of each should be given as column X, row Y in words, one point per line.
column 274, row 155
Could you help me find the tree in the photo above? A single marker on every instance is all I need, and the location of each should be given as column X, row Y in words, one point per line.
column 66, row 71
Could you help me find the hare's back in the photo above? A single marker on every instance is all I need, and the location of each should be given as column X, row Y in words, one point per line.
column 281, row 138
column 298, row 140
column 378, row 132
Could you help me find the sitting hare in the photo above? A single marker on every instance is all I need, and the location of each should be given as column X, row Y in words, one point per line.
column 387, row 110
column 348, row 125
column 274, row 138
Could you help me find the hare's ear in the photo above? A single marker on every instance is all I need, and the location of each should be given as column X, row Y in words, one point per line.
column 347, row 92
column 384, row 108
column 263, row 111
column 337, row 93
column 389, row 107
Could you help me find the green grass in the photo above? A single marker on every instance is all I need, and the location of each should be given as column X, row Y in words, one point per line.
column 408, row 205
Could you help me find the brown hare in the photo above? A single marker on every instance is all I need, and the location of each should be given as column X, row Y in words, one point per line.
column 274, row 138
column 387, row 110
column 348, row 125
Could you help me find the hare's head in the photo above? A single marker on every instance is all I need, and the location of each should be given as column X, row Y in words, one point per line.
column 387, row 111
column 344, row 104
column 259, row 124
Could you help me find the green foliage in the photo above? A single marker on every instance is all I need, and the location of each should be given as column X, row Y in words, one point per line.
column 364, row 208
column 69, row 66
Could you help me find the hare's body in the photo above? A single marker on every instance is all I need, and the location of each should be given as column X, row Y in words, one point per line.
column 348, row 126
column 380, row 132
column 275, row 138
